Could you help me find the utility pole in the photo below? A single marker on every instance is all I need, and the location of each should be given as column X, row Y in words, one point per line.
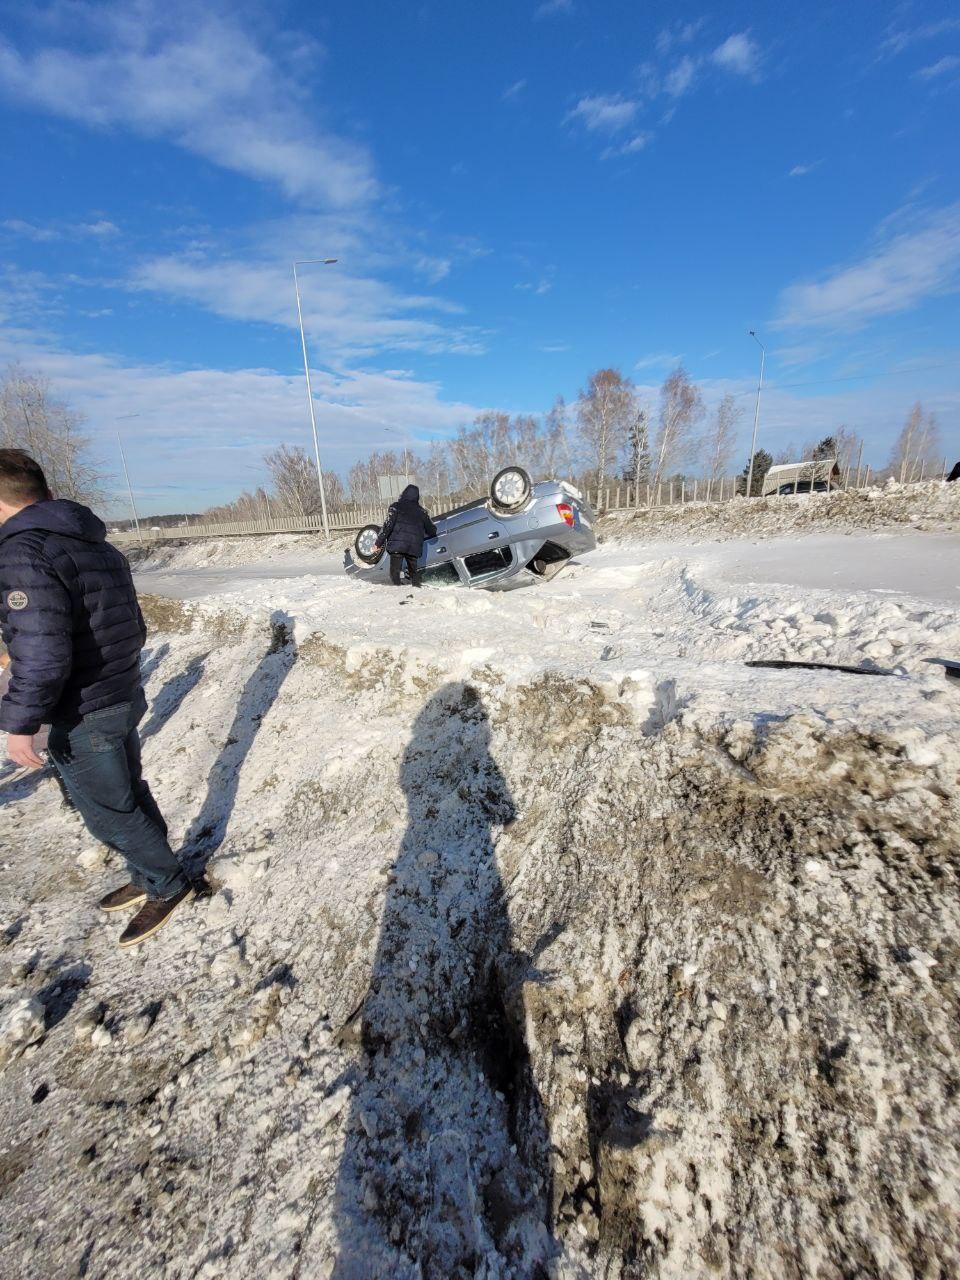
column 133, row 505
column 306, row 369
column 756, row 416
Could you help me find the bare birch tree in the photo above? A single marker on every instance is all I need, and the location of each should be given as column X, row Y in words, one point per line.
column 917, row 446
column 720, row 438
column 681, row 408
column 929, row 448
column 605, row 409
column 557, row 429
column 294, row 481
column 32, row 418
column 639, row 451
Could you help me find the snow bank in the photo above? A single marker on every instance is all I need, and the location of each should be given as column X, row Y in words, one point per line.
column 199, row 553
column 549, row 939
column 931, row 507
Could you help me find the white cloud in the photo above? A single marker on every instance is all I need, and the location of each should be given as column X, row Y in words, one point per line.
column 898, row 39
column 897, row 276
column 513, row 91
column 639, row 142
column 554, row 348
column 347, row 315
column 792, row 357
column 877, row 411
column 60, row 231
column 604, row 113
column 739, row 54
column 197, row 431
column 612, row 113
column 679, row 79
column 433, row 269
column 540, row 287
column 682, row 33
column 941, row 68
column 633, row 146
column 801, row 170
column 657, row 360
column 102, row 227
column 550, row 7
column 201, row 82
column 29, row 231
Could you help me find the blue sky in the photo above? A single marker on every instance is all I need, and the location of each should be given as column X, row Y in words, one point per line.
column 517, row 194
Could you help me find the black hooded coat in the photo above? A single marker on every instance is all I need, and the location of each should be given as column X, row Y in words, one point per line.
column 406, row 525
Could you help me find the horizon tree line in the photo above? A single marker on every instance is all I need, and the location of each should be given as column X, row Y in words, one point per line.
column 610, row 435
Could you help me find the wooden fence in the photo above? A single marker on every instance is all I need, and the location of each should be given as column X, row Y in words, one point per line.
column 620, row 497
column 672, row 493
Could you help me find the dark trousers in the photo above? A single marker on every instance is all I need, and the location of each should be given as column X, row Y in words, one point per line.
column 396, row 563
column 99, row 760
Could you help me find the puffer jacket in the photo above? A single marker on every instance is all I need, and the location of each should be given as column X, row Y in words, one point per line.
column 69, row 617
column 406, row 525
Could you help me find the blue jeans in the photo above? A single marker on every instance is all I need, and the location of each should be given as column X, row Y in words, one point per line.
column 99, row 760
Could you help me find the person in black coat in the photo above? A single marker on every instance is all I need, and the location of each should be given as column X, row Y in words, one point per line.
column 73, row 627
column 403, row 533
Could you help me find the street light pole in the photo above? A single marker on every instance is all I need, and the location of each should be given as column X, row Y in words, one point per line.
column 306, row 369
column 756, row 416
column 133, row 505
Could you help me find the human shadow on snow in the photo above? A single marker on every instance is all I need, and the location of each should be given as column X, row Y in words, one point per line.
column 447, row 1156
column 209, row 827
column 165, row 705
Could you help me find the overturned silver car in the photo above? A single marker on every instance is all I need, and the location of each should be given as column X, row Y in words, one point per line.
column 521, row 533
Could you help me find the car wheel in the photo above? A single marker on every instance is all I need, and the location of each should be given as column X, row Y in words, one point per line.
column 365, row 543
column 510, row 488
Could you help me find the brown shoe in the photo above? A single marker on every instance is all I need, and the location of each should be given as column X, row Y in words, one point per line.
column 153, row 916
column 128, row 896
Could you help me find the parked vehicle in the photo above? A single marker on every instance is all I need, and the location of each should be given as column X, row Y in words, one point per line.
column 521, row 533
column 823, row 474
column 803, row 486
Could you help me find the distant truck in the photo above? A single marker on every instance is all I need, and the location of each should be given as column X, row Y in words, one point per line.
column 802, row 477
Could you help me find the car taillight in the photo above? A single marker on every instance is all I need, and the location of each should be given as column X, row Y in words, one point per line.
column 565, row 512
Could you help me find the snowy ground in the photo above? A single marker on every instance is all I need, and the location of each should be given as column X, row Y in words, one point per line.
column 550, row 938
column 886, row 599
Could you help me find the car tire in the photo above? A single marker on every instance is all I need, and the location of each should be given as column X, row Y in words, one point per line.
column 363, row 544
column 518, row 491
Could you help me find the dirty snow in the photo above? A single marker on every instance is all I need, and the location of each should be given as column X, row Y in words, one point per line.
column 549, row 938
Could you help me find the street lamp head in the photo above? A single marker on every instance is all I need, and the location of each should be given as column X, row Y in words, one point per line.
column 328, row 262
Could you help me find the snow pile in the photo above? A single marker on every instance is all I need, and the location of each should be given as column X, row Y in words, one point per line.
column 198, row 553
column 620, row 610
column 933, row 506
column 21, row 1024
column 549, row 939
column 866, row 630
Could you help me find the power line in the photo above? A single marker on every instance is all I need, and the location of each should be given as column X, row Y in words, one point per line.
column 858, row 377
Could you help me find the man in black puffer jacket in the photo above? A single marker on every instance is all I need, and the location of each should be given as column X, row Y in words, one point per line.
column 403, row 532
column 74, row 630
